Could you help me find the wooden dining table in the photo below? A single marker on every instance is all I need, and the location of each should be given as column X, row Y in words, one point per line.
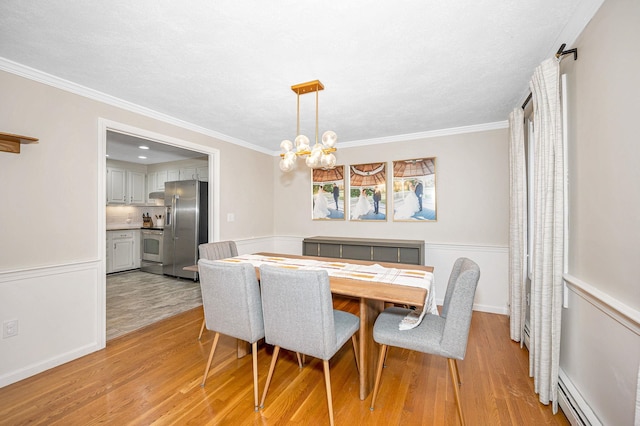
column 372, row 296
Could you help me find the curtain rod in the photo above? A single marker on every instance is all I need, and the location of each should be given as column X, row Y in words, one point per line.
column 559, row 54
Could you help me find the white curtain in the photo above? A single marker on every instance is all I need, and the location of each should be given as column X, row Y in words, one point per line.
column 517, row 225
column 548, row 232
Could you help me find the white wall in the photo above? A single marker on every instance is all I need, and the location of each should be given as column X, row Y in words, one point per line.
column 600, row 348
column 52, row 221
column 472, row 175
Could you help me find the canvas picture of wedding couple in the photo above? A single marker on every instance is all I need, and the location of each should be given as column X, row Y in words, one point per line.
column 368, row 192
column 414, row 190
column 328, row 193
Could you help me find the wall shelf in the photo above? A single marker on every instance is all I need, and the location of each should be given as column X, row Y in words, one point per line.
column 11, row 143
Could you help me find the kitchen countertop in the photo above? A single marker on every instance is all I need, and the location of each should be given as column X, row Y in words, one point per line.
column 122, row 227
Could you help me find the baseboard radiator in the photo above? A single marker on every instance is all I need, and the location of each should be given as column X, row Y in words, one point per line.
column 571, row 402
column 573, row 405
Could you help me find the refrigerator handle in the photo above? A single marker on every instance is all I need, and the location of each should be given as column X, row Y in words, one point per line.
column 175, row 215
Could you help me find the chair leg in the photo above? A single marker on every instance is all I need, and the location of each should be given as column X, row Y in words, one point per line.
column 327, row 381
column 204, row 322
column 355, row 352
column 376, row 387
column 455, row 362
column 274, row 358
column 254, row 350
column 453, row 369
column 300, row 362
column 213, row 349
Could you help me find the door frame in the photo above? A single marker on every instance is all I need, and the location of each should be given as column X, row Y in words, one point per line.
column 213, row 154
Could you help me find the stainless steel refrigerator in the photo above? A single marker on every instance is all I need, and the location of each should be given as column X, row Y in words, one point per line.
column 186, row 225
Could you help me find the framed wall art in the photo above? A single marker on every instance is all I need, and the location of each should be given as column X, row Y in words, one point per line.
column 327, row 189
column 368, row 192
column 414, row 190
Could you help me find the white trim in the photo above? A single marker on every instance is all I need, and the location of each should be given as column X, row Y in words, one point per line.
column 426, row 135
column 622, row 313
column 573, row 405
column 580, row 17
column 69, row 86
column 34, row 273
column 60, row 83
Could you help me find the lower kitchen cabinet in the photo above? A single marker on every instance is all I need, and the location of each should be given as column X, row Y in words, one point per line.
column 123, row 250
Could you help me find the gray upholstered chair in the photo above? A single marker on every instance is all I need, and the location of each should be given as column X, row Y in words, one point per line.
column 445, row 335
column 215, row 251
column 299, row 316
column 232, row 306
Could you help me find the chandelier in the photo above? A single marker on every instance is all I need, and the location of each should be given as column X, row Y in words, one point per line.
column 321, row 154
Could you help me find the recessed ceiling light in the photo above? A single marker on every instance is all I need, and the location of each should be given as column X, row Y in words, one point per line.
column 143, row 147
column 142, row 157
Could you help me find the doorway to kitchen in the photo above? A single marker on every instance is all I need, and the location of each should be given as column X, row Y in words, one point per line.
column 122, row 142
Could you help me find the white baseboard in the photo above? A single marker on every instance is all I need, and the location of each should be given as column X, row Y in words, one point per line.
column 573, row 405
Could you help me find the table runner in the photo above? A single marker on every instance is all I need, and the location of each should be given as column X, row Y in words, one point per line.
column 378, row 273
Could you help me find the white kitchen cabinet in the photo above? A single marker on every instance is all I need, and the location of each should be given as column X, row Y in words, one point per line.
column 202, row 173
column 116, row 185
column 162, row 178
column 125, row 186
column 188, row 173
column 137, row 253
column 136, row 187
column 121, row 253
column 108, row 264
column 172, row 175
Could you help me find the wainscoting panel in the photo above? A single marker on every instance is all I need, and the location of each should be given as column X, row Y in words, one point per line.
column 60, row 314
column 492, row 294
column 599, row 355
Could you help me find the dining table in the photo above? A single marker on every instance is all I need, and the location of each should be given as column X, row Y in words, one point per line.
column 373, row 284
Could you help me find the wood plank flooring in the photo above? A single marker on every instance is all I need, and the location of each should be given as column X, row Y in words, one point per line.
column 136, row 299
column 152, row 377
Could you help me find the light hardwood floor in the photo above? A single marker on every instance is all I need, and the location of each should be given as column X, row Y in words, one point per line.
column 153, row 375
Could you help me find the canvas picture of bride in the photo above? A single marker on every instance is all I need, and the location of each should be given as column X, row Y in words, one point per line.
column 327, row 189
column 368, row 194
column 414, row 190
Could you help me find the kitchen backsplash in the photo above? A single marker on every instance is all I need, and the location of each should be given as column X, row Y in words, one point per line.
column 131, row 216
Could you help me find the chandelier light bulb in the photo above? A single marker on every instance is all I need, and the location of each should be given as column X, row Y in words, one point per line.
column 329, row 138
column 286, row 145
column 328, row 161
column 302, row 143
column 317, row 150
column 320, row 155
column 286, row 166
column 313, row 161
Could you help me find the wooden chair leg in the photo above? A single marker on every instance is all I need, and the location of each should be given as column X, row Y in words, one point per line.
column 327, row 381
column 274, row 358
column 376, row 387
column 355, row 352
column 300, row 363
column 254, row 350
column 453, row 369
column 204, row 322
column 455, row 362
column 213, row 349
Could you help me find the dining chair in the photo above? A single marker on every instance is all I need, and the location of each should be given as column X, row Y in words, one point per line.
column 445, row 335
column 216, row 251
column 232, row 306
column 299, row 316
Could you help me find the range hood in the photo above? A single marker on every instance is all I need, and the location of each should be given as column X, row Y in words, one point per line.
column 159, row 195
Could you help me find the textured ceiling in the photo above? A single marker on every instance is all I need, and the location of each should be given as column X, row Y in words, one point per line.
column 389, row 68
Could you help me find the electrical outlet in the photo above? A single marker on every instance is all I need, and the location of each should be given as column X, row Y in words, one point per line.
column 9, row 329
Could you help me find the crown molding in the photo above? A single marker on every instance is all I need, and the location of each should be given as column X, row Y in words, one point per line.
column 66, row 85
column 428, row 134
